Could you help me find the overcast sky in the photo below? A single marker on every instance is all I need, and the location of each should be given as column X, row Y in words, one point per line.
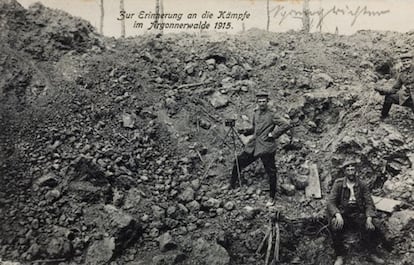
column 347, row 16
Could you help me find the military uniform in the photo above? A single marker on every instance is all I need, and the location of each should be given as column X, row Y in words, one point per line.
column 354, row 206
column 261, row 145
column 402, row 92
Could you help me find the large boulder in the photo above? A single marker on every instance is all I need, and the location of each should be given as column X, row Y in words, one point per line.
column 208, row 253
column 187, row 195
column 49, row 180
column 87, row 182
column 114, row 222
column 101, row 252
column 132, row 198
column 172, row 257
column 128, row 121
column 166, row 242
column 321, row 80
column 401, row 186
column 59, row 247
column 218, row 100
column 87, row 192
column 400, row 222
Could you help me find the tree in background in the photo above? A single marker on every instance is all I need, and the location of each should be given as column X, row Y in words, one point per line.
column 305, row 17
column 162, row 11
column 268, row 15
column 101, row 21
column 157, row 10
column 122, row 8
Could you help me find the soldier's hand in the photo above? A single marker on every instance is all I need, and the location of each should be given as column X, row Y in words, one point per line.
column 241, row 131
column 270, row 135
column 338, row 221
column 379, row 90
column 369, row 225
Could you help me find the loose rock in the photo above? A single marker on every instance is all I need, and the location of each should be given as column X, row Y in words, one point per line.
column 166, row 242
column 210, row 253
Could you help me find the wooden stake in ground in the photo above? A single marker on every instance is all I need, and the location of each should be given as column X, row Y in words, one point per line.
column 269, row 246
column 269, row 229
column 273, row 230
column 277, row 243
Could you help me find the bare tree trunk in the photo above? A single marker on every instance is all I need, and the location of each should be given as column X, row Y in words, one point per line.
column 122, row 8
column 268, row 16
column 162, row 12
column 101, row 6
column 305, row 17
column 157, row 10
column 320, row 19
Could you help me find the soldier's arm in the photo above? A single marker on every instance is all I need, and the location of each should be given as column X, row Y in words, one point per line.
column 386, row 90
column 397, row 86
column 250, row 130
column 334, row 197
column 282, row 125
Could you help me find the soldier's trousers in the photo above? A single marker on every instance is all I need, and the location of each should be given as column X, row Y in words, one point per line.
column 355, row 221
column 245, row 159
column 394, row 99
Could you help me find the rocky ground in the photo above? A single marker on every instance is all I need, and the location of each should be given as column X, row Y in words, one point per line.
column 112, row 149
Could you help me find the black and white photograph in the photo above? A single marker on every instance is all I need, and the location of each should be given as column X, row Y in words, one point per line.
column 214, row 132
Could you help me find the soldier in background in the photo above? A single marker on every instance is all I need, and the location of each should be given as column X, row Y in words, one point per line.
column 350, row 206
column 266, row 127
column 402, row 92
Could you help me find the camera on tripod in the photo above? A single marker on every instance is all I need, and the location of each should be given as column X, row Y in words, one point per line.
column 230, row 122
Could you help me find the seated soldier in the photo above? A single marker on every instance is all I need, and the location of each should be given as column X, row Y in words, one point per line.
column 350, row 205
column 402, row 91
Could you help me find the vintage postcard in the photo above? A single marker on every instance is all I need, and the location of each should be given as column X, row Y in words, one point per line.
column 219, row 132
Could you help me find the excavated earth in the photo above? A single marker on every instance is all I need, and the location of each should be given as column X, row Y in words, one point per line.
column 114, row 151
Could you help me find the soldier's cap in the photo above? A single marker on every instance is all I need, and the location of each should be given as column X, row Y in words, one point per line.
column 349, row 162
column 406, row 55
column 262, row 94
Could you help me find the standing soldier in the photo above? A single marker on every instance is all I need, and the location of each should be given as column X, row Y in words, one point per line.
column 350, row 205
column 402, row 92
column 266, row 128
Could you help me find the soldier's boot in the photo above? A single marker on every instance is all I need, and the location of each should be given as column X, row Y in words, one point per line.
column 377, row 260
column 386, row 107
column 339, row 260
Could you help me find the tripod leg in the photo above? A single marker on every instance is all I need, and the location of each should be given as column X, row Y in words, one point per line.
column 238, row 168
column 225, row 137
column 236, row 135
column 233, row 139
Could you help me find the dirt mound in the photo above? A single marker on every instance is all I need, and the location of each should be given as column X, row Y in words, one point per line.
column 117, row 148
column 44, row 33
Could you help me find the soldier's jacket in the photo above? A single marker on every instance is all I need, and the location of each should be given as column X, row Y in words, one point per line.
column 404, row 87
column 339, row 197
column 262, row 124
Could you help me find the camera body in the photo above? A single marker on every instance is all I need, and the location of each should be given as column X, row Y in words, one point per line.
column 230, row 122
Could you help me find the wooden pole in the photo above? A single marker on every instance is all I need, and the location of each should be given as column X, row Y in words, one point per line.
column 305, row 17
column 263, row 240
column 122, row 8
column 101, row 20
column 269, row 246
column 162, row 12
column 268, row 15
column 277, row 242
